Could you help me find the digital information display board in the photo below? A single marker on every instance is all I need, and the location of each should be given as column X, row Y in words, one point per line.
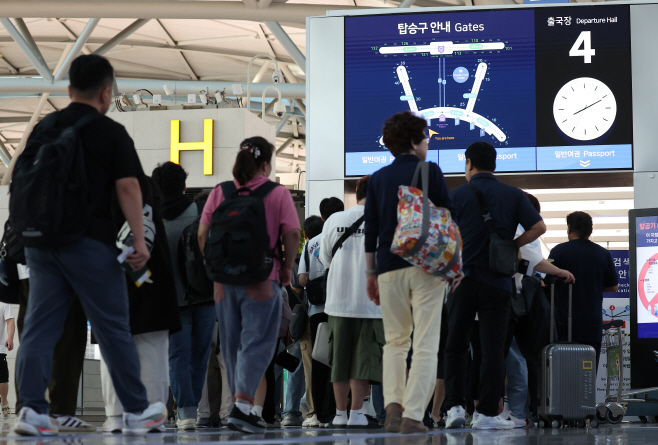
column 550, row 88
column 646, row 236
column 643, row 255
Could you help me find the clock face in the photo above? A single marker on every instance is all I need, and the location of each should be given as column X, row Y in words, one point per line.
column 584, row 109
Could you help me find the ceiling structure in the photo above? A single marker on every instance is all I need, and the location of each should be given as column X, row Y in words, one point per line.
column 207, row 45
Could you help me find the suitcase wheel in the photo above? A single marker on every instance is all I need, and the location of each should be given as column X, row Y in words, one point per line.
column 612, row 418
column 556, row 424
column 581, row 424
column 594, row 423
column 643, row 419
column 601, row 417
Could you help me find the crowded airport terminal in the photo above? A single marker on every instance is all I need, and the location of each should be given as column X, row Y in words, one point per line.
column 354, row 222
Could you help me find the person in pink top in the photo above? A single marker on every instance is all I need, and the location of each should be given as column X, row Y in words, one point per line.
column 249, row 316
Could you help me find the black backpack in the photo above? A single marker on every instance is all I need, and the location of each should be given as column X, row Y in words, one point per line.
column 237, row 250
column 50, row 203
column 198, row 287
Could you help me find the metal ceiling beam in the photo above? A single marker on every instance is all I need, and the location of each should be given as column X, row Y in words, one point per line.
column 287, row 43
column 291, row 157
column 172, row 43
column 407, row 3
column 71, row 34
column 284, row 146
column 165, row 9
column 9, row 65
column 77, row 47
column 283, row 122
column 159, row 46
column 66, row 54
column 25, row 32
column 38, row 63
column 121, row 36
column 35, row 85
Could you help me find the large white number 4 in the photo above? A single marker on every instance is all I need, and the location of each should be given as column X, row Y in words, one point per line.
column 584, row 39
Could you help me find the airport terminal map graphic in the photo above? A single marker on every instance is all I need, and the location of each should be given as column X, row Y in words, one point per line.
column 647, row 276
column 473, row 76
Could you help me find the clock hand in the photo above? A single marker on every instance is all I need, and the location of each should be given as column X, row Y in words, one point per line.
column 588, row 106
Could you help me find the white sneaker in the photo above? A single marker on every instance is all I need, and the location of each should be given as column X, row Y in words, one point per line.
column 521, row 423
column 474, row 418
column 71, row 424
column 311, row 422
column 151, row 418
column 492, row 423
column 186, row 424
column 29, row 423
column 456, row 417
column 113, row 424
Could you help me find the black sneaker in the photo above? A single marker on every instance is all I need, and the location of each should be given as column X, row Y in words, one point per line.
column 238, row 421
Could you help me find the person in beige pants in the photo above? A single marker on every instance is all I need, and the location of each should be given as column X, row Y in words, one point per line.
column 400, row 287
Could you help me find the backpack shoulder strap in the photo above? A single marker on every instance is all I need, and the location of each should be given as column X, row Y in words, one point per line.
column 87, row 119
column 50, row 121
column 349, row 232
column 265, row 189
column 484, row 209
column 228, row 189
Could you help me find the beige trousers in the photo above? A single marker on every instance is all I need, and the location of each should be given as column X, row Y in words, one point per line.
column 399, row 292
column 306, row 346
column 153, row 351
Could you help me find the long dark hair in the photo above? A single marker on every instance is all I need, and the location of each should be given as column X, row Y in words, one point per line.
column 253, row 153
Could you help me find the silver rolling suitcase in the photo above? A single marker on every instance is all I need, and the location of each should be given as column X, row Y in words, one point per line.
column 568, row 380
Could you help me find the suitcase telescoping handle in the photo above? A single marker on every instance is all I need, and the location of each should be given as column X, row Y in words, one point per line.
column 553, row 311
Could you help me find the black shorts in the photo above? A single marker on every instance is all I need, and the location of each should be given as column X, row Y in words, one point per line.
column 4, row 369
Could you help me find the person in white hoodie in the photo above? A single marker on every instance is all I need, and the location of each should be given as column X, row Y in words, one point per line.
column 355, row 323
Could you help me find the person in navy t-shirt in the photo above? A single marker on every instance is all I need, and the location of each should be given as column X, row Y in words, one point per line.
column 595, row 274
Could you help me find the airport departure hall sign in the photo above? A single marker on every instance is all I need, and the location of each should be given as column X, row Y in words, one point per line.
column 550, row 88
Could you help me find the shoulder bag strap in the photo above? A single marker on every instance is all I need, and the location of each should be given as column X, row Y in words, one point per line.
column 307, row 260
column 486, row 213
column 349, row 232
column 424, row 169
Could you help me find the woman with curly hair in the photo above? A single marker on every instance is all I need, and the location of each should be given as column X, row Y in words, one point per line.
column 397, row 286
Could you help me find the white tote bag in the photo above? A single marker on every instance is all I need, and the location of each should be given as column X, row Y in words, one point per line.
column 321, row 347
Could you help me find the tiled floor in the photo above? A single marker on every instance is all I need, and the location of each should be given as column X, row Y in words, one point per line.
column 605, row 435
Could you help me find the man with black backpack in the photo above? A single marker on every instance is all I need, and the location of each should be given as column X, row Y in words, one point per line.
column 189, row 348
column 74, row 162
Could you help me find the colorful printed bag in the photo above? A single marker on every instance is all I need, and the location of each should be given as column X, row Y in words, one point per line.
column 426, row 235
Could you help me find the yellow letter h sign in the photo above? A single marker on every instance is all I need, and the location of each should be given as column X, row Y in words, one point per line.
column 177, row 146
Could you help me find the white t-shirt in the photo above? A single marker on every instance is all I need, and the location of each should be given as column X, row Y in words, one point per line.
column 315, row 270
column 346, row 287
column 7, row 314
column 530, row 252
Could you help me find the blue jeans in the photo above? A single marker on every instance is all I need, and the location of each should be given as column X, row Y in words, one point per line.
column 378, row 401
column 296, row 386
column 88, row 269
column 248, row 332
column 517, row 382
column 189, row 350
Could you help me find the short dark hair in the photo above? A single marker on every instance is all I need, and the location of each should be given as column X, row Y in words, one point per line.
column 534, row 201
column 329, row 206
column 362, row 188
column 201, row 197
column 169, row 178
column 313, row 226
column 89, row 74
column 482, row 156
column 580, row 223
column 254, row 152
column 400, row 130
